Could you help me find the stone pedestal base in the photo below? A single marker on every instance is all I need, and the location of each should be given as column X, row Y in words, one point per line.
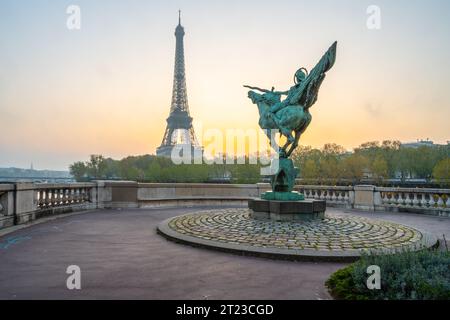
column 287, row 210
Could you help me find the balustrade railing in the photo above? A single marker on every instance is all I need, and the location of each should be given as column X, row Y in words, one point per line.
column 425, row 199
column 49, row 196
column 23, row 202
column 332, row 194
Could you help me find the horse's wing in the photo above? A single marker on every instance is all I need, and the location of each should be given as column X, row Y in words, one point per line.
column 306, row 93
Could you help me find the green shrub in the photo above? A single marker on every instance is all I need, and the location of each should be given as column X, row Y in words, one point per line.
column 423, row 275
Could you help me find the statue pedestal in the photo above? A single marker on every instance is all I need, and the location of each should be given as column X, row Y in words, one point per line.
column 303, row 210
column 283, row 196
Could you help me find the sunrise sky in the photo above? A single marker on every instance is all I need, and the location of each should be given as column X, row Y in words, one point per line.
column 106, row 88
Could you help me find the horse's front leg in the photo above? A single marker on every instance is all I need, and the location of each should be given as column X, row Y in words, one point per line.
column 295, row 144
column 290, row 140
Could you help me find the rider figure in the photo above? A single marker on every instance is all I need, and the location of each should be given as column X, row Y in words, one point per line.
column 273, row 98
column 299, row 77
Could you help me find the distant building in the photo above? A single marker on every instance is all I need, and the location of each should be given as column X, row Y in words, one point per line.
column 422, row 143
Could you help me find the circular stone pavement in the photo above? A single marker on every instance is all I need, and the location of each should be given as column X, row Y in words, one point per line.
column 336, row 238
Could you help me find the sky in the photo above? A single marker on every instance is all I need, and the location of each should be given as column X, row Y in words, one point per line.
column 106, row 88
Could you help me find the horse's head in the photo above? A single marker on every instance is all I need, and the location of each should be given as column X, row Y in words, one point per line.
column 255, row 97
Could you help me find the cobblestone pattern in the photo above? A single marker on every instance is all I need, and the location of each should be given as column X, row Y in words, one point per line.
column 334, row 233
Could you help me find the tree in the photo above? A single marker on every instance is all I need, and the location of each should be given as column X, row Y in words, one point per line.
column 310, row 170
column 333, row 149
column 96, row 167
column 79, row 171
column 353, row 166
column 388, row 149
column 441, row 172
column 403, row 160
column 380, row 168
column 153, row 173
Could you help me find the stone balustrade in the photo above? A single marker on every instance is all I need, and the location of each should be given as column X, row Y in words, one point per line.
column 335, row 196
column 25, row 202
column 51, row 196
column 6, row 205
column 436, row 201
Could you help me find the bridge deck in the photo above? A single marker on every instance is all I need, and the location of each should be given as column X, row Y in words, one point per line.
column 121, row 256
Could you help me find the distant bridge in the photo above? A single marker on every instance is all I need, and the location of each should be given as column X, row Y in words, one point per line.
column 37, row 179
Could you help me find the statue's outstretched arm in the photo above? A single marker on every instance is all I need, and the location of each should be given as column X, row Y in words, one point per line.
column 266, row 91
column 256, row 88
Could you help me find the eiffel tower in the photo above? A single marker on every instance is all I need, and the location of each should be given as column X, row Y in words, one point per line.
column 179, row 130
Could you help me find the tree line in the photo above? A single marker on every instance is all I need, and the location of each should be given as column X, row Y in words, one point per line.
column 150, row 168
column 332, row 164
column 374, row 161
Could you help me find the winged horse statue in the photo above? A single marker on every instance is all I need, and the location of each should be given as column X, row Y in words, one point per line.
column 291, row 115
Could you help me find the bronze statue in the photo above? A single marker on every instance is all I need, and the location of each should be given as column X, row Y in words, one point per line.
column 291, row 115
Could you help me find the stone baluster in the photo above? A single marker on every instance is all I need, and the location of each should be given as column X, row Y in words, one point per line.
column 48, row 200
column 391, row 199
column 41, row 200
column 62, row 196
column 75, row 195
column 307, row 193
column 385, row 198
column 70, row 196
column 316, row 194
column 440, row 202
column 334, row 195
column 66, row 196
column 58, row 197
column 346, row 196
column 54, row 197
column 424, row 201
column 405, row 199
column 339, row 196
column 398, row 199
column 432, row 202
column 415, row 201
column 409, row 199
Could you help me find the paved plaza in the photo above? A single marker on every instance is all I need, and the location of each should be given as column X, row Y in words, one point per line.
column 121, row 256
